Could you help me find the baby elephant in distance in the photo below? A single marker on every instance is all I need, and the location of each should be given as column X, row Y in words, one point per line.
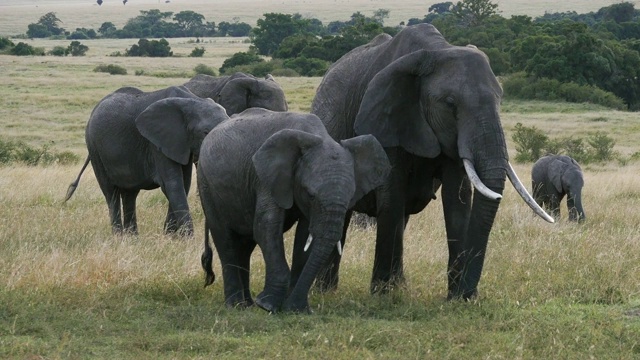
column 553, row 177
column 144, row 140
column 259, row 173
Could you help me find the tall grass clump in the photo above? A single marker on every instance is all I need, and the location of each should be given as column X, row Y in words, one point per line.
column 111, row 69
column 20, row 152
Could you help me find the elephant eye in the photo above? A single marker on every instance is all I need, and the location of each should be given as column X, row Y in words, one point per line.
column 449, row 100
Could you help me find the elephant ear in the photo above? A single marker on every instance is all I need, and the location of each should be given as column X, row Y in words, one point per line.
column 163, row 123
column 236, row 93
column 556, row 170
column 371, row 164
column 391, row 108
column 276, row 159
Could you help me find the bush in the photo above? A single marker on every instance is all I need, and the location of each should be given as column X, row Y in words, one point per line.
column 58, row 51
column 5, row 43
column 238, row 59
column 307, row 67
column 77, row 49
column 519, row 86
column 204, row 69
column 22, row 49
column 151, row 48
column 19, row 152
column 197, row 52
column 530, row 143
column 111, row 69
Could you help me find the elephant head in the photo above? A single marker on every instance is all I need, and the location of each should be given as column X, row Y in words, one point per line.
column 242, row 92
column 177, row 126
column 239, row 92
column 324, row 179
column 446, row 102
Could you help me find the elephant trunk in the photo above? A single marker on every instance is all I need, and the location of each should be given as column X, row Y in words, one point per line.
column 574, row 203
column 326, row 231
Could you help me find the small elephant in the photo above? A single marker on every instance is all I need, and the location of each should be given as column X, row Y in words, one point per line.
column 258, row 174
column 144, row 140
column 553, row 177
column 239, row 91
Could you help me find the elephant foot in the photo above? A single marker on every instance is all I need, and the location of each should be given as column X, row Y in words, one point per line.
column 382, row 286
column 297, row 306
column 269, row 302
column 240, row 304
column 465, row 295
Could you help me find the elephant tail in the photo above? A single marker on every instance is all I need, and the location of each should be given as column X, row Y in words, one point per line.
column 74, row 185
column 207, row 258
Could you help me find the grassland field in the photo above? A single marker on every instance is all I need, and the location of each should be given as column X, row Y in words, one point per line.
column 71, row 290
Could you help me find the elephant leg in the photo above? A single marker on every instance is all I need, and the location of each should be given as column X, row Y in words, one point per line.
column 247, row 245
column 388, row 266
column 267, row 232
column 115, row 213
column 327, row 279
column 129, row 209
column 300, row 257
column 554, row 204
column 456, row 202
column 174, row 189
column 232, row 251
column 170, row 222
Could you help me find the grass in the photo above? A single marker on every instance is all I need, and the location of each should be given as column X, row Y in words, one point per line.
column 69, row 289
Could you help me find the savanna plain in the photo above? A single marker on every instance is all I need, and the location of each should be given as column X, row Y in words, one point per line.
column 70, row 289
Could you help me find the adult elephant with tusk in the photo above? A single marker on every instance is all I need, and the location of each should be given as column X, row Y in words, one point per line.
column 435, row 108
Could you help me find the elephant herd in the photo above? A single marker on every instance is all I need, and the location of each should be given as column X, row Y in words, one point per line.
column 392, row 122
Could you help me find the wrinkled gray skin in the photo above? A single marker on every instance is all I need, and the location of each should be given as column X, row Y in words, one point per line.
column 553, row 177
column 258, row 174
column 239, row 92
column 430, row 104
column 144, row 140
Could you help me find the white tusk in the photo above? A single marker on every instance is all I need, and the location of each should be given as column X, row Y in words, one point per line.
column 477, row 183
column 339, row 245
column 309, row 240
column 511, row 174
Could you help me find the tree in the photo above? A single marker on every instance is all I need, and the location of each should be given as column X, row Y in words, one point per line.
column 190, row 22
column 50, row 21
column 271, row 30
column 151, row 48
column 474, row 12
column 107, row 29
column 238, row 59
column 441, row 8
column 380, row 15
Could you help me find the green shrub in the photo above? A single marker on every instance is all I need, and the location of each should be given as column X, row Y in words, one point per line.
column 197, row 52
column 204, row 69
column 5, row 43
column 77, row 49
column 307, row 67
column 239, row 59
column 285, row 73
column 151, row 48
column 519, row 86
column 111, row 69
column 530, row 143
column 19, row 152
column 58, row 51
column 602, row 146
column 23, row 49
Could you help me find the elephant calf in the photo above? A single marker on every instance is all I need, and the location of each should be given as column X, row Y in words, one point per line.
column 144, row 140
column 259, row 173
column 553, row 177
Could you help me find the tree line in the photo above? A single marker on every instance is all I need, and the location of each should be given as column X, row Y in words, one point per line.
column 596, row 53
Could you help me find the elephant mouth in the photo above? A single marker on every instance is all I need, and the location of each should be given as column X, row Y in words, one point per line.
column 310, row 240
column 515, row 181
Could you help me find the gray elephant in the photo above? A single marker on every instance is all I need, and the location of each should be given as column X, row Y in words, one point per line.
column 435, row 108
column 239, row 91
column 144, row 140
column 258, row 174
column 553, row 177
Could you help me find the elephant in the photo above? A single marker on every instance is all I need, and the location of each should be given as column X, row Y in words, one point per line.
column 553, row 177
column 259, row 173
column 435, row 108
column 239, row 91
column 144, row 140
